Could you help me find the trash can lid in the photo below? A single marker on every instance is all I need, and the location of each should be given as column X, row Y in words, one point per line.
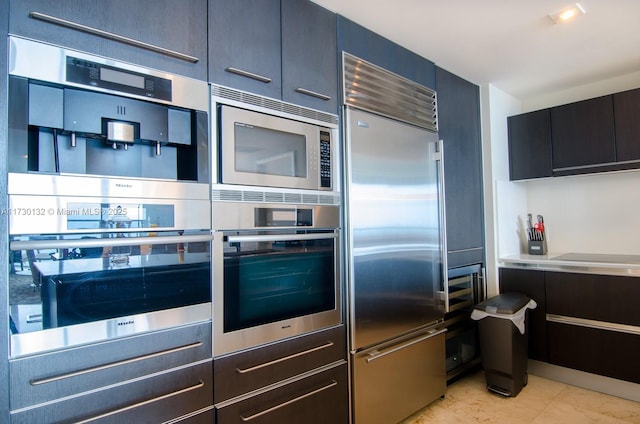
column 505, row 303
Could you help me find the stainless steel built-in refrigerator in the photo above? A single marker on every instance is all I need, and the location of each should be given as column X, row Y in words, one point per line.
column 394, row 266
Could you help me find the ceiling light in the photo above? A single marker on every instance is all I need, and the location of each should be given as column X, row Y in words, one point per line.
column 567, row 14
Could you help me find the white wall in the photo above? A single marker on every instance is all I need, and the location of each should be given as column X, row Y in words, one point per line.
column 503, row 200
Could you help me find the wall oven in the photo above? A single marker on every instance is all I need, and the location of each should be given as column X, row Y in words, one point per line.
column 276, row 272
column 109, row 199
column 92, row 267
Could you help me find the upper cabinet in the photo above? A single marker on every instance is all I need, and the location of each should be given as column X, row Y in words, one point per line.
column 151, row 33
column 284, row 50
column 582, row 134
column 367, row 45
column 459, row 129
column 626, row 106
column 530, row 145
column 594, row 135
column 244, row 45
column 309, row 56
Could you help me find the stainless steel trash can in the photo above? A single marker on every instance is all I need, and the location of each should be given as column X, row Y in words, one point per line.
column 503, row 341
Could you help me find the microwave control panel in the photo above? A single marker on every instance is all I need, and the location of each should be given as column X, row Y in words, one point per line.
column 325, row 159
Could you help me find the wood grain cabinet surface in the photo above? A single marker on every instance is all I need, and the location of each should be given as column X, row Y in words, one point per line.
column 122, row 30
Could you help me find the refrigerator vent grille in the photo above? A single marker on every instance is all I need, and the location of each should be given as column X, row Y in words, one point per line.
column 272, row 104
column 251, row 196
column 374, row 89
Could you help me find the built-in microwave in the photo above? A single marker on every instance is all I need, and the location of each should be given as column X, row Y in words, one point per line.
column 260, row 149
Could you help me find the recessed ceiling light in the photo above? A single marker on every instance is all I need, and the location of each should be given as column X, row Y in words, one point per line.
column 568, row 13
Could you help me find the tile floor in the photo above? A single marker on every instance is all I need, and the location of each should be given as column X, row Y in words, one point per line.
column 542, row 401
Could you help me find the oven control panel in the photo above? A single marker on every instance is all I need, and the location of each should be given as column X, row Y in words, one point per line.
column 325, row 159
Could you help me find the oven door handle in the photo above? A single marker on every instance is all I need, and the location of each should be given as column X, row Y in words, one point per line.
column 105, row 242
column 282, row 237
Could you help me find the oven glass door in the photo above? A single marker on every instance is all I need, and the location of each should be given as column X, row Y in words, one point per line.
column 63, row 280
column 270, row 278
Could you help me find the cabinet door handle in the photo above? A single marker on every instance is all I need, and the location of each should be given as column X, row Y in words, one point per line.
column 198, row 385
column 112, row 36
column 286, row 358
column 312, row 93
column 59, row 377
column 289, row 402
column 248, row 74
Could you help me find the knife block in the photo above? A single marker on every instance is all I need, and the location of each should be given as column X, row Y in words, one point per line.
column 537, row 247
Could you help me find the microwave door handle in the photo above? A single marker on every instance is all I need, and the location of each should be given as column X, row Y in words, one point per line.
column 105, row 242
column 283, row 237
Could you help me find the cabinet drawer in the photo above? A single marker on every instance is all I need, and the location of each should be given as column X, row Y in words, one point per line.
column 597, row 297
column 55, row 375
column 317, row 399
column 156, row 399
column 610, row 353
column 244, row 372
column 150, row 33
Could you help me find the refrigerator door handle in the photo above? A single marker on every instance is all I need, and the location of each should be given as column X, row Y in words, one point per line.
column 376, row 354
column 443, row 226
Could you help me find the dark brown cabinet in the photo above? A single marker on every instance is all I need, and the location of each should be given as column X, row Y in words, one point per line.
column 587, row 317
column 595, row 135
column 626, row 106
column 532, row 284
column 309, row 56
column 319, row 398
column 244, row 45
column 303, row 379
column 459, row 129
column 530, row 145
column 281, row 49
column 152, row 33
column 582, row 134
column 587, row 322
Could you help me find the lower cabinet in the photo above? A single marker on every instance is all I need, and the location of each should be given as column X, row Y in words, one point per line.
column 299, row 380
column 156, row 398
column 590, row 322
column 319, row 398
column 604, row 352
column 154, row 377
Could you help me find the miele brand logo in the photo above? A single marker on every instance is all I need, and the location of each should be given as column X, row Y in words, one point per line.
column 123, row 323
column 122, row 185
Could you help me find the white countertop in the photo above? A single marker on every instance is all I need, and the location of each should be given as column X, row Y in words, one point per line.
column 628, row 265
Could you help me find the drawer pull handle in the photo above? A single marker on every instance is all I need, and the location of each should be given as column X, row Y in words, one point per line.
column 598, row 325
column 248, row 74
column 112, row 36
column 40, row 381
column 286, row 358
column 377, row 354
column 312, row 93
column 289, row 402
column 145, row 402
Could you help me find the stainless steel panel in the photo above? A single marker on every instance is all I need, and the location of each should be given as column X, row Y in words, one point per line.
column 97, row 186
column 396, row 379
column 394, row 246
column 245, row 99
column 235, row 216
column 26, row 58
column 58, row 338
column 41, row 204
column 370, row 87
